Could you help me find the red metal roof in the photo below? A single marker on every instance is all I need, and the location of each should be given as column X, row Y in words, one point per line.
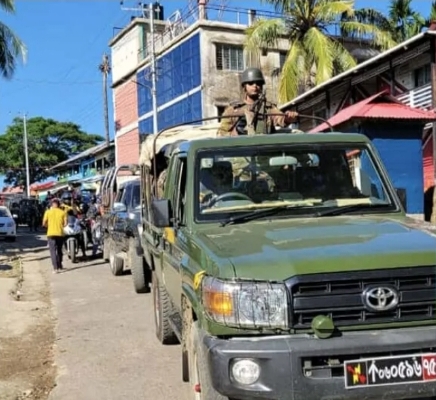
column 42, row 186
column 378, row 106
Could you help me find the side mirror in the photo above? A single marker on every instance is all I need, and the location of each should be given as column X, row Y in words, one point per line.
column 161, row 210
column 401, row 193
column 119, row 207
column 14, row 216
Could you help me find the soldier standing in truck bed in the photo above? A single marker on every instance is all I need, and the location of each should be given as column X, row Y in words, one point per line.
column 248, row 117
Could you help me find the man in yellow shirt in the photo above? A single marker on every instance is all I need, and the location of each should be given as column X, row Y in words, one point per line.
column 55, row 219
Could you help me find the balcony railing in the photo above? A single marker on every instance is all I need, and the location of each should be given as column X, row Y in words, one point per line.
column 420, row 97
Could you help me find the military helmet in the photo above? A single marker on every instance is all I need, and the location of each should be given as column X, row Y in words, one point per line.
column 252, row 75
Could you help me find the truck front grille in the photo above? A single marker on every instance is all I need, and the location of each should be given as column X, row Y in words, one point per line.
column 339, row 296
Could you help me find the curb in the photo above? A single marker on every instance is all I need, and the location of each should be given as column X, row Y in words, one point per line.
column 15, row 293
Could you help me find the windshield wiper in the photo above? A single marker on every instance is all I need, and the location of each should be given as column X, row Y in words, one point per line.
column 346, row 209
column 257, row 214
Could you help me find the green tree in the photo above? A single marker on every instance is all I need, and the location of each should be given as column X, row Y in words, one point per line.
column 402, row 21
column 305, row 24
column 49, row 142
column 432, row 16
column 11, row 47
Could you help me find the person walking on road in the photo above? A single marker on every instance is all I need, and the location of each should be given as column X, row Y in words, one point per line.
column 55, row 219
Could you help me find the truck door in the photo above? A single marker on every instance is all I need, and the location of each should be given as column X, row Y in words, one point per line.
column 172, row 243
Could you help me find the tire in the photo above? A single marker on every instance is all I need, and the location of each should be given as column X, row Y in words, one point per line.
column 141, row 273
column 106, row 249
column 115, row 263
column 199, row 370
column 72, row 249
column 85, row 240
column 11, row 238
column 162, row 311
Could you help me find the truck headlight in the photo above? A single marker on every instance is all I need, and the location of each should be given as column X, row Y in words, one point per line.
column 245, row 303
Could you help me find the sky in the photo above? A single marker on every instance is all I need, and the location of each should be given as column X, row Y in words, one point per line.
column 66, row 40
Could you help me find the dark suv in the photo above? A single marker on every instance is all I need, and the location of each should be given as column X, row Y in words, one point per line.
column 122, row 235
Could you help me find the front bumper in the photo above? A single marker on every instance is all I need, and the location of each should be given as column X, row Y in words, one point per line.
column 282, row 360
column 8, row 232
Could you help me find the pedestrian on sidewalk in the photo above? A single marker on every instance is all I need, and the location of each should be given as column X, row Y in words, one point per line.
column 55, row 219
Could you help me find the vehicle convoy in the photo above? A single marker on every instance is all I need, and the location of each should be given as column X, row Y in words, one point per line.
column 287, row 269
column 120, row 220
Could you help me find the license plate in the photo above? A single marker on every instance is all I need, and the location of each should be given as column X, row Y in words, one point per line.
column 382, row 371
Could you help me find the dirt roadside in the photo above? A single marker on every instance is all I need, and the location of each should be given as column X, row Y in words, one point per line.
column 27, row 369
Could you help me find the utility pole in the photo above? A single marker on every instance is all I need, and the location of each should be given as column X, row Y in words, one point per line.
column 153, row 68
column 105, row 69
column 150, row 10
column 26, row 155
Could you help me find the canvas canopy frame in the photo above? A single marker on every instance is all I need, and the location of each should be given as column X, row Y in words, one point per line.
column 172, row 135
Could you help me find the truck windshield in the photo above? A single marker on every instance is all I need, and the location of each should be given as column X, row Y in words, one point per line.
column 308, row 179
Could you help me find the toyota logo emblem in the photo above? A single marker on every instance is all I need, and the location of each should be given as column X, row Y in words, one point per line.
column 381, row 298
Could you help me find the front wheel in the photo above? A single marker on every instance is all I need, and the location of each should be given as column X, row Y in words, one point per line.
column 116, row 263
column 162, row 312
column 199, row 371
column 72, row 250
column 85, row 239
column 141, row 272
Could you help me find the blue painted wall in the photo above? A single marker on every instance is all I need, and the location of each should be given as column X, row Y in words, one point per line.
column 400, row 147
column 178, row 72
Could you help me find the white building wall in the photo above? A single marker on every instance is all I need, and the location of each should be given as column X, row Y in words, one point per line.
column 125, row 53
column 220, row 87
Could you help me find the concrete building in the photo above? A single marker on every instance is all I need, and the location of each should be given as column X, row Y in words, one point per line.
column 199, row 62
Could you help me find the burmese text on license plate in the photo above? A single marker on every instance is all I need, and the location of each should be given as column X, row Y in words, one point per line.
column 394, row 370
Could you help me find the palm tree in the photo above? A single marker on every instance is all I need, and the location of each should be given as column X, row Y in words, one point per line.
column 11, row 47
column 402, row 21
column 306, row 24
column 432, row 16
column 406, row 22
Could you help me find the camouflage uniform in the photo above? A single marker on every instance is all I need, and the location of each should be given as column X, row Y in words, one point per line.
column 242, row 114
column 161, row 184
column 248, row 119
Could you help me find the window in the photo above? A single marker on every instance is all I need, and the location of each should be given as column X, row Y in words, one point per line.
column 127, row 198
column 179, row 195
column 283, row 56
column 143, row 38
column 136, row 196
column 119, row 196
column 306, row 180
column 229, row 57
column 422, row 75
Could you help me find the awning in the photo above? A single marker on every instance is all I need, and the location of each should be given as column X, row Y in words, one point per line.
column 378, row 106
column 89, row 186
column 42, row 186
column 60, row 187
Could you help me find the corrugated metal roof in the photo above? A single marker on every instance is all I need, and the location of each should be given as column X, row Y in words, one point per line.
column 83, row 154
column 378, row 106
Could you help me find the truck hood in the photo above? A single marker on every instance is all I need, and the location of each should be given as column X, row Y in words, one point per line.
column 279, row 249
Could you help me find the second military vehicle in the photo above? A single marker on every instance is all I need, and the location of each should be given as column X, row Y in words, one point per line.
column 120, row 220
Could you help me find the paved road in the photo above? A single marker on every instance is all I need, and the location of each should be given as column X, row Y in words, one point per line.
column 106, row 348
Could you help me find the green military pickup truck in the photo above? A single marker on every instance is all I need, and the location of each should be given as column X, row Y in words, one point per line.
column 287, row 269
